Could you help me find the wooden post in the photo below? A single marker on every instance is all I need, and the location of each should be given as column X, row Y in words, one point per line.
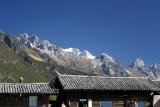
column 89, row 102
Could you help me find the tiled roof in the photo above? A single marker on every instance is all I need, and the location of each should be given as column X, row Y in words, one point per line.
column 77, row 82
column 157, row 82
column 26, row 88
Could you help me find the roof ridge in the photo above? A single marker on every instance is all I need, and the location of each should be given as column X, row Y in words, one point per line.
column 155, row 80
column 99, row 76
column 26, row 83
column 58, row 73
column 79, row 82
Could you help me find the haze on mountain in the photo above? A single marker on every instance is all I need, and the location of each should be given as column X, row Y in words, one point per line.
column 37, row 60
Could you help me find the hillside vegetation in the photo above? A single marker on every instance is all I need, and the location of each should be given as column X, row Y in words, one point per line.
column 12, row 68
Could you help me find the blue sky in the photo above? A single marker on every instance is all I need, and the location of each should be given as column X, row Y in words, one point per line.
column 125, row 29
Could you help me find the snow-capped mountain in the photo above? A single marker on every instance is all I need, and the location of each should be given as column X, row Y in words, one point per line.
column 36, row 51
column 75, row 58
column 139, row 67
column 72, row 50
column 107, row 58
column 44, row 45
column 34, row 42
column 87, row 54
column 137, row 63
column 85, row 61
column 77, row 52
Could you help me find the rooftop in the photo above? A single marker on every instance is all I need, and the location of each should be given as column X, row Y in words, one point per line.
column 26, row 88
column 80, row 82
column 157, row 82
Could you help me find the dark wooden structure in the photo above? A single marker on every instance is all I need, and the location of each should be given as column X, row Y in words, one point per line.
column 82, row 91
column 25, row 94
column 89, row 91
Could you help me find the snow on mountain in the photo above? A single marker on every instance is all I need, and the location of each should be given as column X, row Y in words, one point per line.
column 86, row 61
column 72, row 50
column 76, row 51
column 24, row 37
column 129, row 72
column 87, row 54
column 34, row 42
column 107, row 58
column 139, row 67
column 73, row 57
column 137, row 63
column 155, row 66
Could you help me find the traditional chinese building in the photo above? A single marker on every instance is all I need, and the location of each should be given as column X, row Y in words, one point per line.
column 82, row 91
column 90, row 91
column 25, row 94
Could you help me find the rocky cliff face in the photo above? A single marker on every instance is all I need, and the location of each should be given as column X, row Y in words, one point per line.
column 140, row 68
column 72, row 58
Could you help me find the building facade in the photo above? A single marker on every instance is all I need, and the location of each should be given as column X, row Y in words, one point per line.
column 92, row 91
column 25, row 94
column 83, row 91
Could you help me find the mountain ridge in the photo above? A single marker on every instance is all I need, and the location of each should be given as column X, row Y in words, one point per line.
column 34, row 52
column 109, row 65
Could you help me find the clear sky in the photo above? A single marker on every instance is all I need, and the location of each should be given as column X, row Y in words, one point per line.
column 125, row 29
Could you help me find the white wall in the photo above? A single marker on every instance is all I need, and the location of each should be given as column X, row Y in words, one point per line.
column 156, row 101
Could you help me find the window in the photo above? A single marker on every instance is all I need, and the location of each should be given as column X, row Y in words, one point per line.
column 83, row 104
column 33, row 101
column 106, row 104
column 141, row 104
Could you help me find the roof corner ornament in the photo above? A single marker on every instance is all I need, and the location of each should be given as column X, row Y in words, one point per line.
column 151, row 94
column 21, row 80
column 58, row 73
column 150, row 77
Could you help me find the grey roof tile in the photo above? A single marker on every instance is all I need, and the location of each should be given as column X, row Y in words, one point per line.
column 27, row 88
column 156, row 82
column 79, row 82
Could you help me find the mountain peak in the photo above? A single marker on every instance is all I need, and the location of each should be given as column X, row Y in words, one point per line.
column 76, row 51
column 108, row 58
column 72, row 50
column 155, row 66
column 137, row 63
column 35, row 37
column 44, row 56
column 24, row 36
column 87, row 54
column 34, row 42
